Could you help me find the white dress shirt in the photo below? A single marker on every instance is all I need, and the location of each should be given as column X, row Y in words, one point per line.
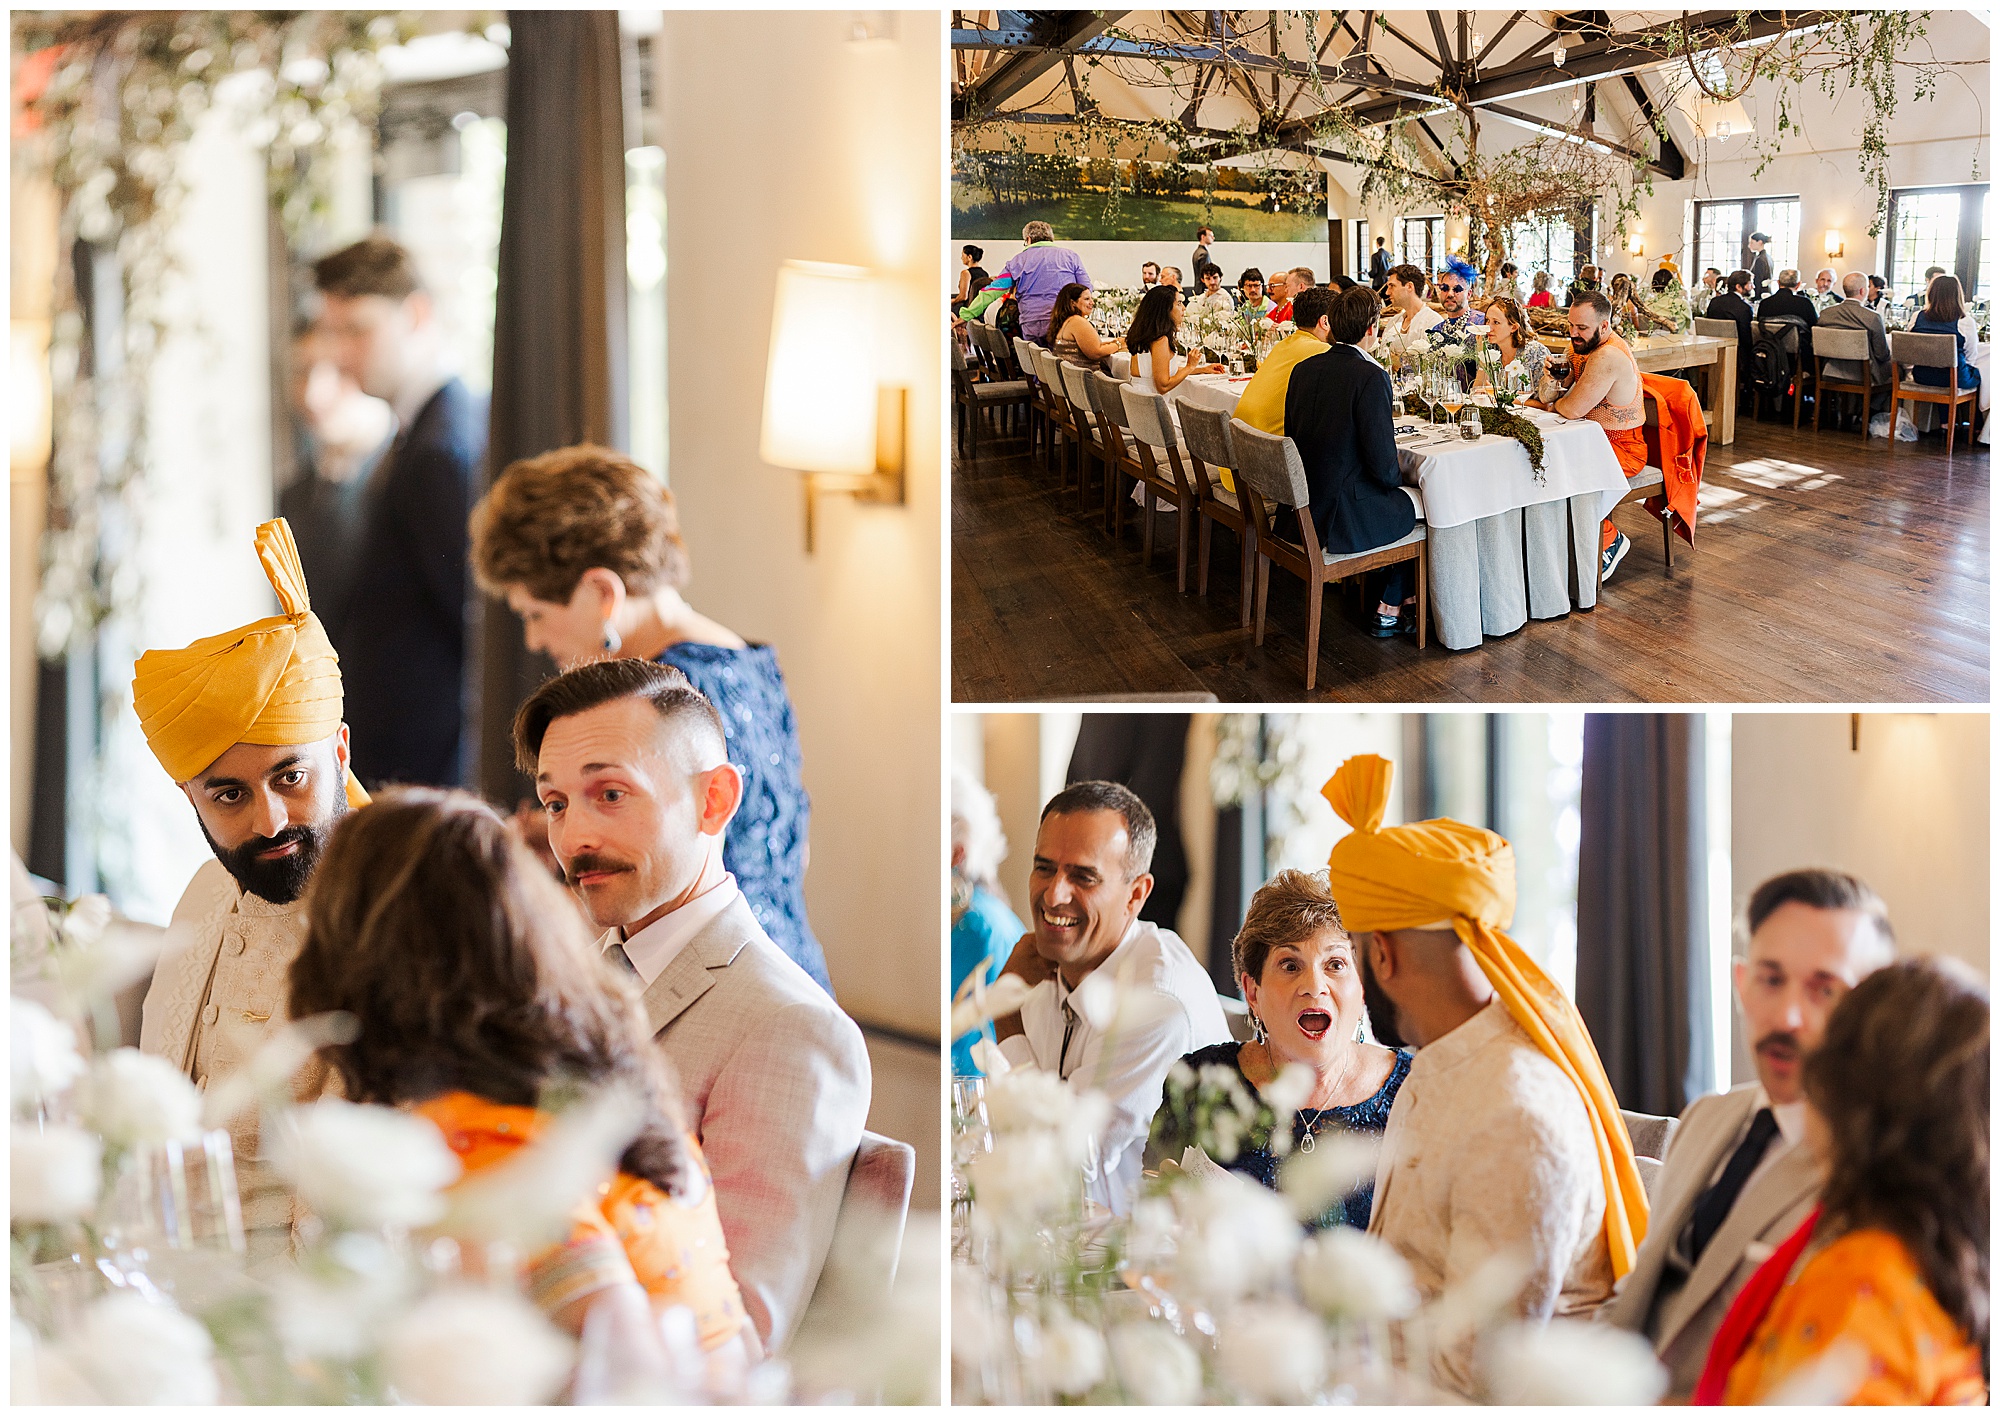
column 1424, row 319
column 1791, row 1119
column 1168, row 1009
column 654, row 947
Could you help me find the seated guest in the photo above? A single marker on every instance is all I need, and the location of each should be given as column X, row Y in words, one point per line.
column 427, row 897
column 1302, row 280
column 1154, row 342
column 972, row 279
column 1893, row 1265
column 1711, row 282
column 1278, row 287
column 983, row 928
column 1945, row 313
column 1250, row 296
column 1340, row 410
column 1586, row 282
column 1787, row 303
column 1852, row 313
column 1343, row 282
column 1734, row 304
column 1602, row 385
column 1459, row 321
column 1667, row 307
column 1296, row 967
column 1541, row 299
column 1263, row 403
column 1824, row 292
column 1509, row 284
column 1878, row 292
column 585, row 546
column 1508, row 328
column 1738, row 1177
column 1149, row 275
column 1403, row 292
column 1918, row 297
column 638, row 790
column 1213, row 296
column 1092, row 873
column 1073, row 337
column 1171, row 275
column 1505, row 1137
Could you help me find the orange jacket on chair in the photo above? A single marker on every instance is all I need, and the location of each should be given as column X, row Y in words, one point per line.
column 1678, row 445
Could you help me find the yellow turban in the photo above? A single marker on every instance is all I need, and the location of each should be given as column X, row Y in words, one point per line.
column 273, row 683
column 1416, row 876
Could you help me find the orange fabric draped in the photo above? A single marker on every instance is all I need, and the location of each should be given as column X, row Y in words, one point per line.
column 1412, row 876
column 1678, row 446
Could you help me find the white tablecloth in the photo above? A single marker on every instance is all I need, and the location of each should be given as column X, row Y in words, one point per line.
column 1982, row 360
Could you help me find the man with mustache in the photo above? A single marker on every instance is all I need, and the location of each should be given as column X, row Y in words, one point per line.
column 248, row 723
column 1091, row 876
column 1505, row 1139
column 1738, row 1178
column 629, row 765
column 1603, row 385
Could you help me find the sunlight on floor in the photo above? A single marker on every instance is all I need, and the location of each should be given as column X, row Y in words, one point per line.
column 1775, row 473
column 1718, row 504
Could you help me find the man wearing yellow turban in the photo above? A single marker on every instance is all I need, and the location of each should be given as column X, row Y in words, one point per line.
column 248, row 723
column 1506, row 1138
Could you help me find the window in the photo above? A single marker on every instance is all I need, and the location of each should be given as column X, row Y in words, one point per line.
column 1548, row 244
column 1420, row 242
column 1940, row 226
column 1723, row 230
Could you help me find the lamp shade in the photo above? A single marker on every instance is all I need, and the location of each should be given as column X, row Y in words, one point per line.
column 1834, row 245
column 819, row 389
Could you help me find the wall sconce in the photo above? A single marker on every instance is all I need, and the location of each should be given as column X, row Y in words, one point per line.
column 826, row 414
column 1834, row 247
column 1638, row 244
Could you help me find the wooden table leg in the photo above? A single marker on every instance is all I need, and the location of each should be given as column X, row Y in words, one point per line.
column 1725, row 396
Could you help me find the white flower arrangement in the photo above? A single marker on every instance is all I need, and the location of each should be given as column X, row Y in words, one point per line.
column 364, row 1166
column 1346, row 1274
column 1271, row 1352
column 1569, row 1363
column 1074, row 1357
column 1236, row 1236
column 134, row 1100
column 1154, row 1367
column 43, row 1057
column 131, row 1352
column 476, row 1347
column 54, row 1173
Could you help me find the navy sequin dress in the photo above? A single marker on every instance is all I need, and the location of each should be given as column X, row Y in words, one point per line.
column 766, row 846
column 1260, row 1165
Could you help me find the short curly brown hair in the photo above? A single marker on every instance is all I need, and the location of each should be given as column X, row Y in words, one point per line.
column 1290, row 908
column 548, row 519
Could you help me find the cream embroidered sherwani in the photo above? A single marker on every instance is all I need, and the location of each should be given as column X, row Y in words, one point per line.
column 217, row 991
column 1489, row 1148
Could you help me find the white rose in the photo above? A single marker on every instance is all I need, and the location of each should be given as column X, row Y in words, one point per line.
column 978, row 1328
column 1453, row 351
column 1237, row 1237
column 136, row 1353
column 1290, row 1088
column 1155, row 1367
column 1027, row 1099
column 1073, row 1358
column 477, row 1347
column 363, row 1166
column 1025, row 1176
column 1339, row 1163
column 1569, row 1363
column 979, row 1002
column 338, row 1313
column 1344, row 1273
column 1492, row 356
column 132, row 1099
column 1272, row 1352
column 43, row 1059
column 55, row 1173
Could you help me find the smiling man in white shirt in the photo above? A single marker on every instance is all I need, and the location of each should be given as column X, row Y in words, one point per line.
column 1737, row 1178
column 1091, row 877
column 631, row 770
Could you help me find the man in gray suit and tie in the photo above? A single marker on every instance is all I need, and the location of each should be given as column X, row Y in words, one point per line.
column 1852, row 313
column 1738, row 1177
column 629, row 764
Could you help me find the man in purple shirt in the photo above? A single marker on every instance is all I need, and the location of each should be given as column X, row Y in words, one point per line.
column 1034, row 277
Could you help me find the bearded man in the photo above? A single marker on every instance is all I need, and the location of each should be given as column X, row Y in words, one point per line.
column 1603, row 385
column 1506, row 1139
column 248, row 724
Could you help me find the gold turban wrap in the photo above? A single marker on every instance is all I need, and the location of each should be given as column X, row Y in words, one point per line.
column 273, row 683
column 1413, row 877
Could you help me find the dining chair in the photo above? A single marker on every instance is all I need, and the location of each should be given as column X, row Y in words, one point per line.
column 1848, row 346
column 1122, row 454
column 974, row 397
column 1152, row 424
column 1272, row 480
column 1069, row 434
column 1076, row 383
column 1041, row 428
column 1931, row 351
column 1205, row 440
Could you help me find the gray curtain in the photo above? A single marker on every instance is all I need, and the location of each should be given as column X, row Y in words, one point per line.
column 559, row 359
column 1146, row 752
column 1642, row 907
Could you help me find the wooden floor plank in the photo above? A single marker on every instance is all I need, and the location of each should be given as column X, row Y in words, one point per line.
column 1825, row 569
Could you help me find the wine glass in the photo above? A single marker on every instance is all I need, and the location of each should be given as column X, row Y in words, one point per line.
column 1451, row 392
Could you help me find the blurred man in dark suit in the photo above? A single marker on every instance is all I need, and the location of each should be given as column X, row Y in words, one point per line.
column 401, row 634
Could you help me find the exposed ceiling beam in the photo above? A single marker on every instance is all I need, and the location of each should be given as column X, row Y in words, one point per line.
column 1550, row 128
column 1673, row 164
column 1611, row 56
column 1446, row 67
column 1041, row 41
column 1493, row 43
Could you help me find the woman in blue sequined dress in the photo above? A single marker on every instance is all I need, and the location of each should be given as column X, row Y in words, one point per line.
column 585, row 546
column 1300, row 978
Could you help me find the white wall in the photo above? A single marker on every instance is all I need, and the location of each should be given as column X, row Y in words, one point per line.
column 1908, row 812
column 820, row 150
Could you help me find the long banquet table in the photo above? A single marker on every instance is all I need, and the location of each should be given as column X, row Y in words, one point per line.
column 1500, row 543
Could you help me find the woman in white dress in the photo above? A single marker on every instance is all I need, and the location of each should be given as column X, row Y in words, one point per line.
column 1154, row 342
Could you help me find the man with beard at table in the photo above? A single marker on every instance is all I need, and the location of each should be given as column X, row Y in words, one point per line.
column 1738, row 1178
column 1603, row 385
column 629, row 764
column 1091, row 876
column 1505, row 1141
column 248, row 724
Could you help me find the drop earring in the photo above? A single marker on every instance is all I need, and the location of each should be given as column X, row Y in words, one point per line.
column 1360, row 1034
column 613, row 641
column 1257, row 1033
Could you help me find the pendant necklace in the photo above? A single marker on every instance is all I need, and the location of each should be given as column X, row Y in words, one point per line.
column 1312, row 1127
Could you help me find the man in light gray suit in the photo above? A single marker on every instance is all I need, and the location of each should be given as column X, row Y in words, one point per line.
column 1853, row 313
column 629, row 764
column 1738, row 1177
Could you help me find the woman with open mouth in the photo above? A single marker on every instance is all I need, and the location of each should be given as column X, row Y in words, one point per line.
column 1300, row 978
